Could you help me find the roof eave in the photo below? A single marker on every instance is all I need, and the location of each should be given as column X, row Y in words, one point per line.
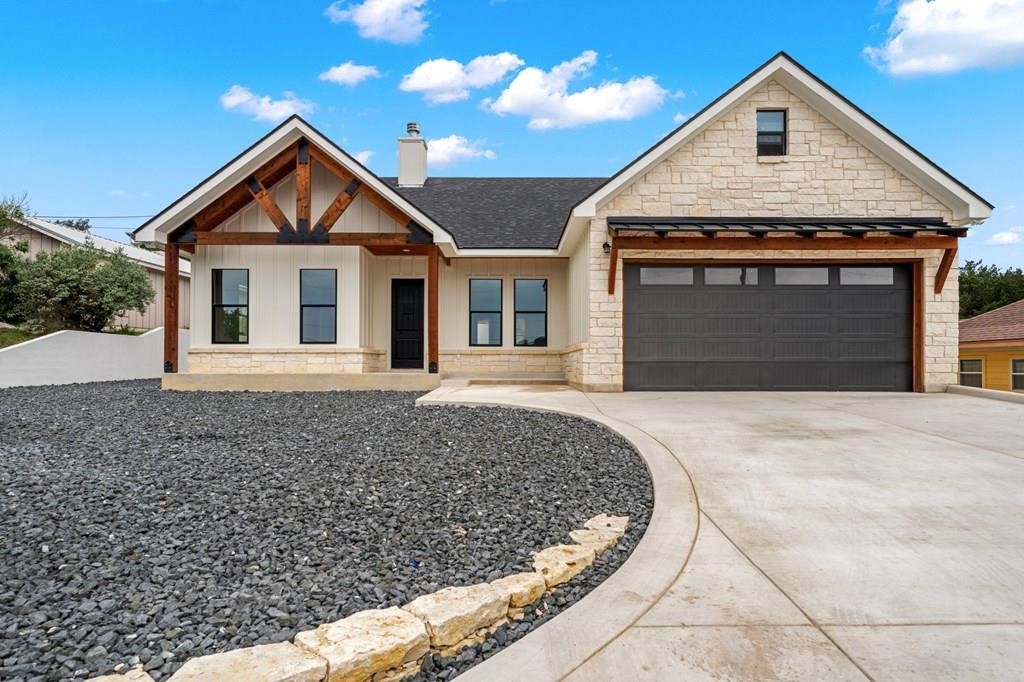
column 276, row 141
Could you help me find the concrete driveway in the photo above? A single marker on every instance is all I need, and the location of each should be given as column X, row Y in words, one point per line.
column 841, row 536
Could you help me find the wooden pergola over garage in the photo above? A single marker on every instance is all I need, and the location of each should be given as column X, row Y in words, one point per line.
column 199, row 230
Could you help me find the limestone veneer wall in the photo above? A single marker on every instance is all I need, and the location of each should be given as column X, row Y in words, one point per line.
column 309, row 360
column 826, row 173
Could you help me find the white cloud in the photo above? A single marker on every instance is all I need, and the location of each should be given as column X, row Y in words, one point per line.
column 446, row 80
column 262, row 108
column 349, row 73
column 364, row 156
column 1015, row 235
column 544, row 96
column 680, row 118
column 393, row 21
column 946, row 36
column 444, row 151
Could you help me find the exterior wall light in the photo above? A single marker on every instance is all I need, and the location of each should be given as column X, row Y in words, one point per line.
column 606, row 247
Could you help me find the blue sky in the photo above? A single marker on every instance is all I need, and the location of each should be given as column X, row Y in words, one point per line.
column 117, row 108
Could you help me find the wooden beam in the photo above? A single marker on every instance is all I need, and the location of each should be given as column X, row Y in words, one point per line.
column 303, row 187
column 341, row 202
column 267, row 203
column 400, row 249
column 239, row 196
column 270, row 238
column 171, row 281
column 782, row 243
column 918, row 327
column 368, row 193
column 948, row 258
column 612, row 266
column 432, row 323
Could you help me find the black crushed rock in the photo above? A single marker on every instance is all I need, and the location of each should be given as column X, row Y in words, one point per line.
column 149, row 527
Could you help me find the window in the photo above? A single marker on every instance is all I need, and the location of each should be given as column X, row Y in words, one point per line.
column 318, row 306
column 771, row 132
column 485, row 312
column 731, row 276
column 531, row 305
column 1017, row 375
column 666, row 277
column 970, row 373
column 801, row 276
column 865, row 276
column 230, row 306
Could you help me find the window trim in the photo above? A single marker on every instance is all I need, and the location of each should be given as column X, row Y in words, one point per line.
column 784, row 132
column 516, row 311
column 500, row 311
column 980, row 372
column 214, row 306
column 303, row 306
column 1015, row 374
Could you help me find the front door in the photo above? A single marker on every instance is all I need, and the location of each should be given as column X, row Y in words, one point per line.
column 407, row 324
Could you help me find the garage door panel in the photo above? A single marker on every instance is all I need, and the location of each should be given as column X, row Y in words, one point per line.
column 725, row 326
column 666, row 324
column 652, row 350
column 801, row 324
column 803, row 349
column 731, row 349
column 729, row 376
column 851, row 333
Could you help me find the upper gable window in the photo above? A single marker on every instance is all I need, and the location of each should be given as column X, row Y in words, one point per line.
column 771, row 132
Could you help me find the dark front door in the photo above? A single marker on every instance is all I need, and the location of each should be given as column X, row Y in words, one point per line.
column 799, row 326
column 407, row 324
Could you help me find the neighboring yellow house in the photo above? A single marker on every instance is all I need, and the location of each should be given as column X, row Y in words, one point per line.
column 992, row 349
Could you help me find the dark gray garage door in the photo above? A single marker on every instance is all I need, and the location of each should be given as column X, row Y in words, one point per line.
column 768, row 327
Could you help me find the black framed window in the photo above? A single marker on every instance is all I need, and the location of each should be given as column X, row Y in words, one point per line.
column 230, row 306
column 771, row 132
column 485, row 312
column 1017, row 375
column 318, row 306
column 971, row 373
column 531, row 306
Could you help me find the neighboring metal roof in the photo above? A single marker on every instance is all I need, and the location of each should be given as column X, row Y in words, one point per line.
column 855, row 227
column 1001, row 324
column 69, row 235
column 500, row 213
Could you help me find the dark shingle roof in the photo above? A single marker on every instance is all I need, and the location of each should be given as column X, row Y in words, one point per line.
column 500, row 213
column 1001, row 324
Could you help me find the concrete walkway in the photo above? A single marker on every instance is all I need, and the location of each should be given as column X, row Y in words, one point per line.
column 841, row 536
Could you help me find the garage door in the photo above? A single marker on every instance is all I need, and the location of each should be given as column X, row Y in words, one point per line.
column 768, row 327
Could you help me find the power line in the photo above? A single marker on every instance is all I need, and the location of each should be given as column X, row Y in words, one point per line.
column 93, row 217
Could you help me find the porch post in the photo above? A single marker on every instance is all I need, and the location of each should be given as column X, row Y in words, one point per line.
column 171, row 307
column 432, row 324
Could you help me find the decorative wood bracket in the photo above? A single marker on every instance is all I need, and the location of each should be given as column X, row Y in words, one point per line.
column 337, row 207
column 303, row 187
column 269, row 206
column 948, row 258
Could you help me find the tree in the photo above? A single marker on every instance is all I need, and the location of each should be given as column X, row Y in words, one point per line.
column 984, row 287
column 12, row 256
column 82, row 287
column 75, row 223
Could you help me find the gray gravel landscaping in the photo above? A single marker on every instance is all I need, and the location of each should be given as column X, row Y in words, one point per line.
column 141, row 526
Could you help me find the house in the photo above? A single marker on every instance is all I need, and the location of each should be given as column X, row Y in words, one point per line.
column 780, row 238
column 43, row 236
column 992, row 349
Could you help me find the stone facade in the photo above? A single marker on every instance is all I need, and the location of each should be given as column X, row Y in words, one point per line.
column 718, row 173
column 499, row 361
column 308, row 360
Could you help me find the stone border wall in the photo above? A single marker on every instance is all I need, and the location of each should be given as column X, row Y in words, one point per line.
column 387, row 645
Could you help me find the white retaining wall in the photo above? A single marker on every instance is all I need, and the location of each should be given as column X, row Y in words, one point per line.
column 71, row 357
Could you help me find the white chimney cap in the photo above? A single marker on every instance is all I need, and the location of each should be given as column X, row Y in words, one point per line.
column 412, row 128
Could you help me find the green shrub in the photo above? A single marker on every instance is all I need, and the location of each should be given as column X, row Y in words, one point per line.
column 82, row 288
